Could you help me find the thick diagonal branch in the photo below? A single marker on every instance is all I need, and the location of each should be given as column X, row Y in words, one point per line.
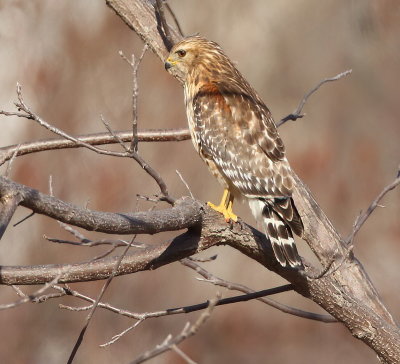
column 140, row 16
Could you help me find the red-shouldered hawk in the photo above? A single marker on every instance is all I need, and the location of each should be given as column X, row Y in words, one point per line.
column 234, row 133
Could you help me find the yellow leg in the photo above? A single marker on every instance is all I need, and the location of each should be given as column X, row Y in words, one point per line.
column 225, row 206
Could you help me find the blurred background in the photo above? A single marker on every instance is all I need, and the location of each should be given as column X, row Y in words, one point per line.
column 65, row 55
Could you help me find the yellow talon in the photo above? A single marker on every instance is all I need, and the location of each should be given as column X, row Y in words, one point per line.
column 225, row 206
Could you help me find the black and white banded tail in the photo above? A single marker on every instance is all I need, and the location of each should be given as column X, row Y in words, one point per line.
column 280, row 220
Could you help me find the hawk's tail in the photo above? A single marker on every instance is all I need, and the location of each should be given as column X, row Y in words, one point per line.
column 279, row 218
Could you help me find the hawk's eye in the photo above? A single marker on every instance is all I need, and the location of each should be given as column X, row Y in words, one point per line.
column 181, row 53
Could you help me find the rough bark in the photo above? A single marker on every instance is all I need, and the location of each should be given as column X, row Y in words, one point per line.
column 184, row 214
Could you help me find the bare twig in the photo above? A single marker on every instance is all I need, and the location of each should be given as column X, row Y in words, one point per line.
column 74, row 232
column 135, row 63
column 154, row 199
column 37, row 298
column 361, row 219
column 10, row 163
column 117, row 138
column 143, row 316
column 95, row 304
column 75, row 309
column 175, row 18
column 51, row 192
column 135, row 95
column 29, row 114
column 239, row 287
column 18, row 291
column 66, row 290
column 83, row 241
column 185, row 183
column 188, row 330
column 183, row 355
column 173, row 311
column 32, row 297
column 122, row 333
column 23, row 219
column 297, row 113
column 156, row 176
column 171, row 135
column 152, row 172
column 89, row 243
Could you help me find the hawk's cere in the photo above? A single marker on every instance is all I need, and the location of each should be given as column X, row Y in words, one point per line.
column 234, row 133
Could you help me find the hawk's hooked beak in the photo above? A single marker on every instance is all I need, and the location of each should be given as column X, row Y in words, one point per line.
column 169, row 63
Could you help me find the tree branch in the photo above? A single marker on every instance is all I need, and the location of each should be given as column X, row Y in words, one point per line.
column 239, row 287
column 171, row 135
column 184, row 215
column 178, row 26
column 169, row 342
column 297, row 113
column 114, row 272
column 333, row 292
column 140, row 16
column 29, row 114
column 32, row 297
column 363, row 217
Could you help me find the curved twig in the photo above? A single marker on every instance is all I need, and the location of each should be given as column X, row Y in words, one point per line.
column 363, row 217
column 171, row 12
column 297, row 113
column 96, row 303
column 239, row 287
column 29, row 114
column 170, row 342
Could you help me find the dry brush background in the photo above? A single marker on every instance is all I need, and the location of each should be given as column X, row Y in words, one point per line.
column 346, row 149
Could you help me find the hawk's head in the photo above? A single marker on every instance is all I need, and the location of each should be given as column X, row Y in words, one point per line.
column 195, row 56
